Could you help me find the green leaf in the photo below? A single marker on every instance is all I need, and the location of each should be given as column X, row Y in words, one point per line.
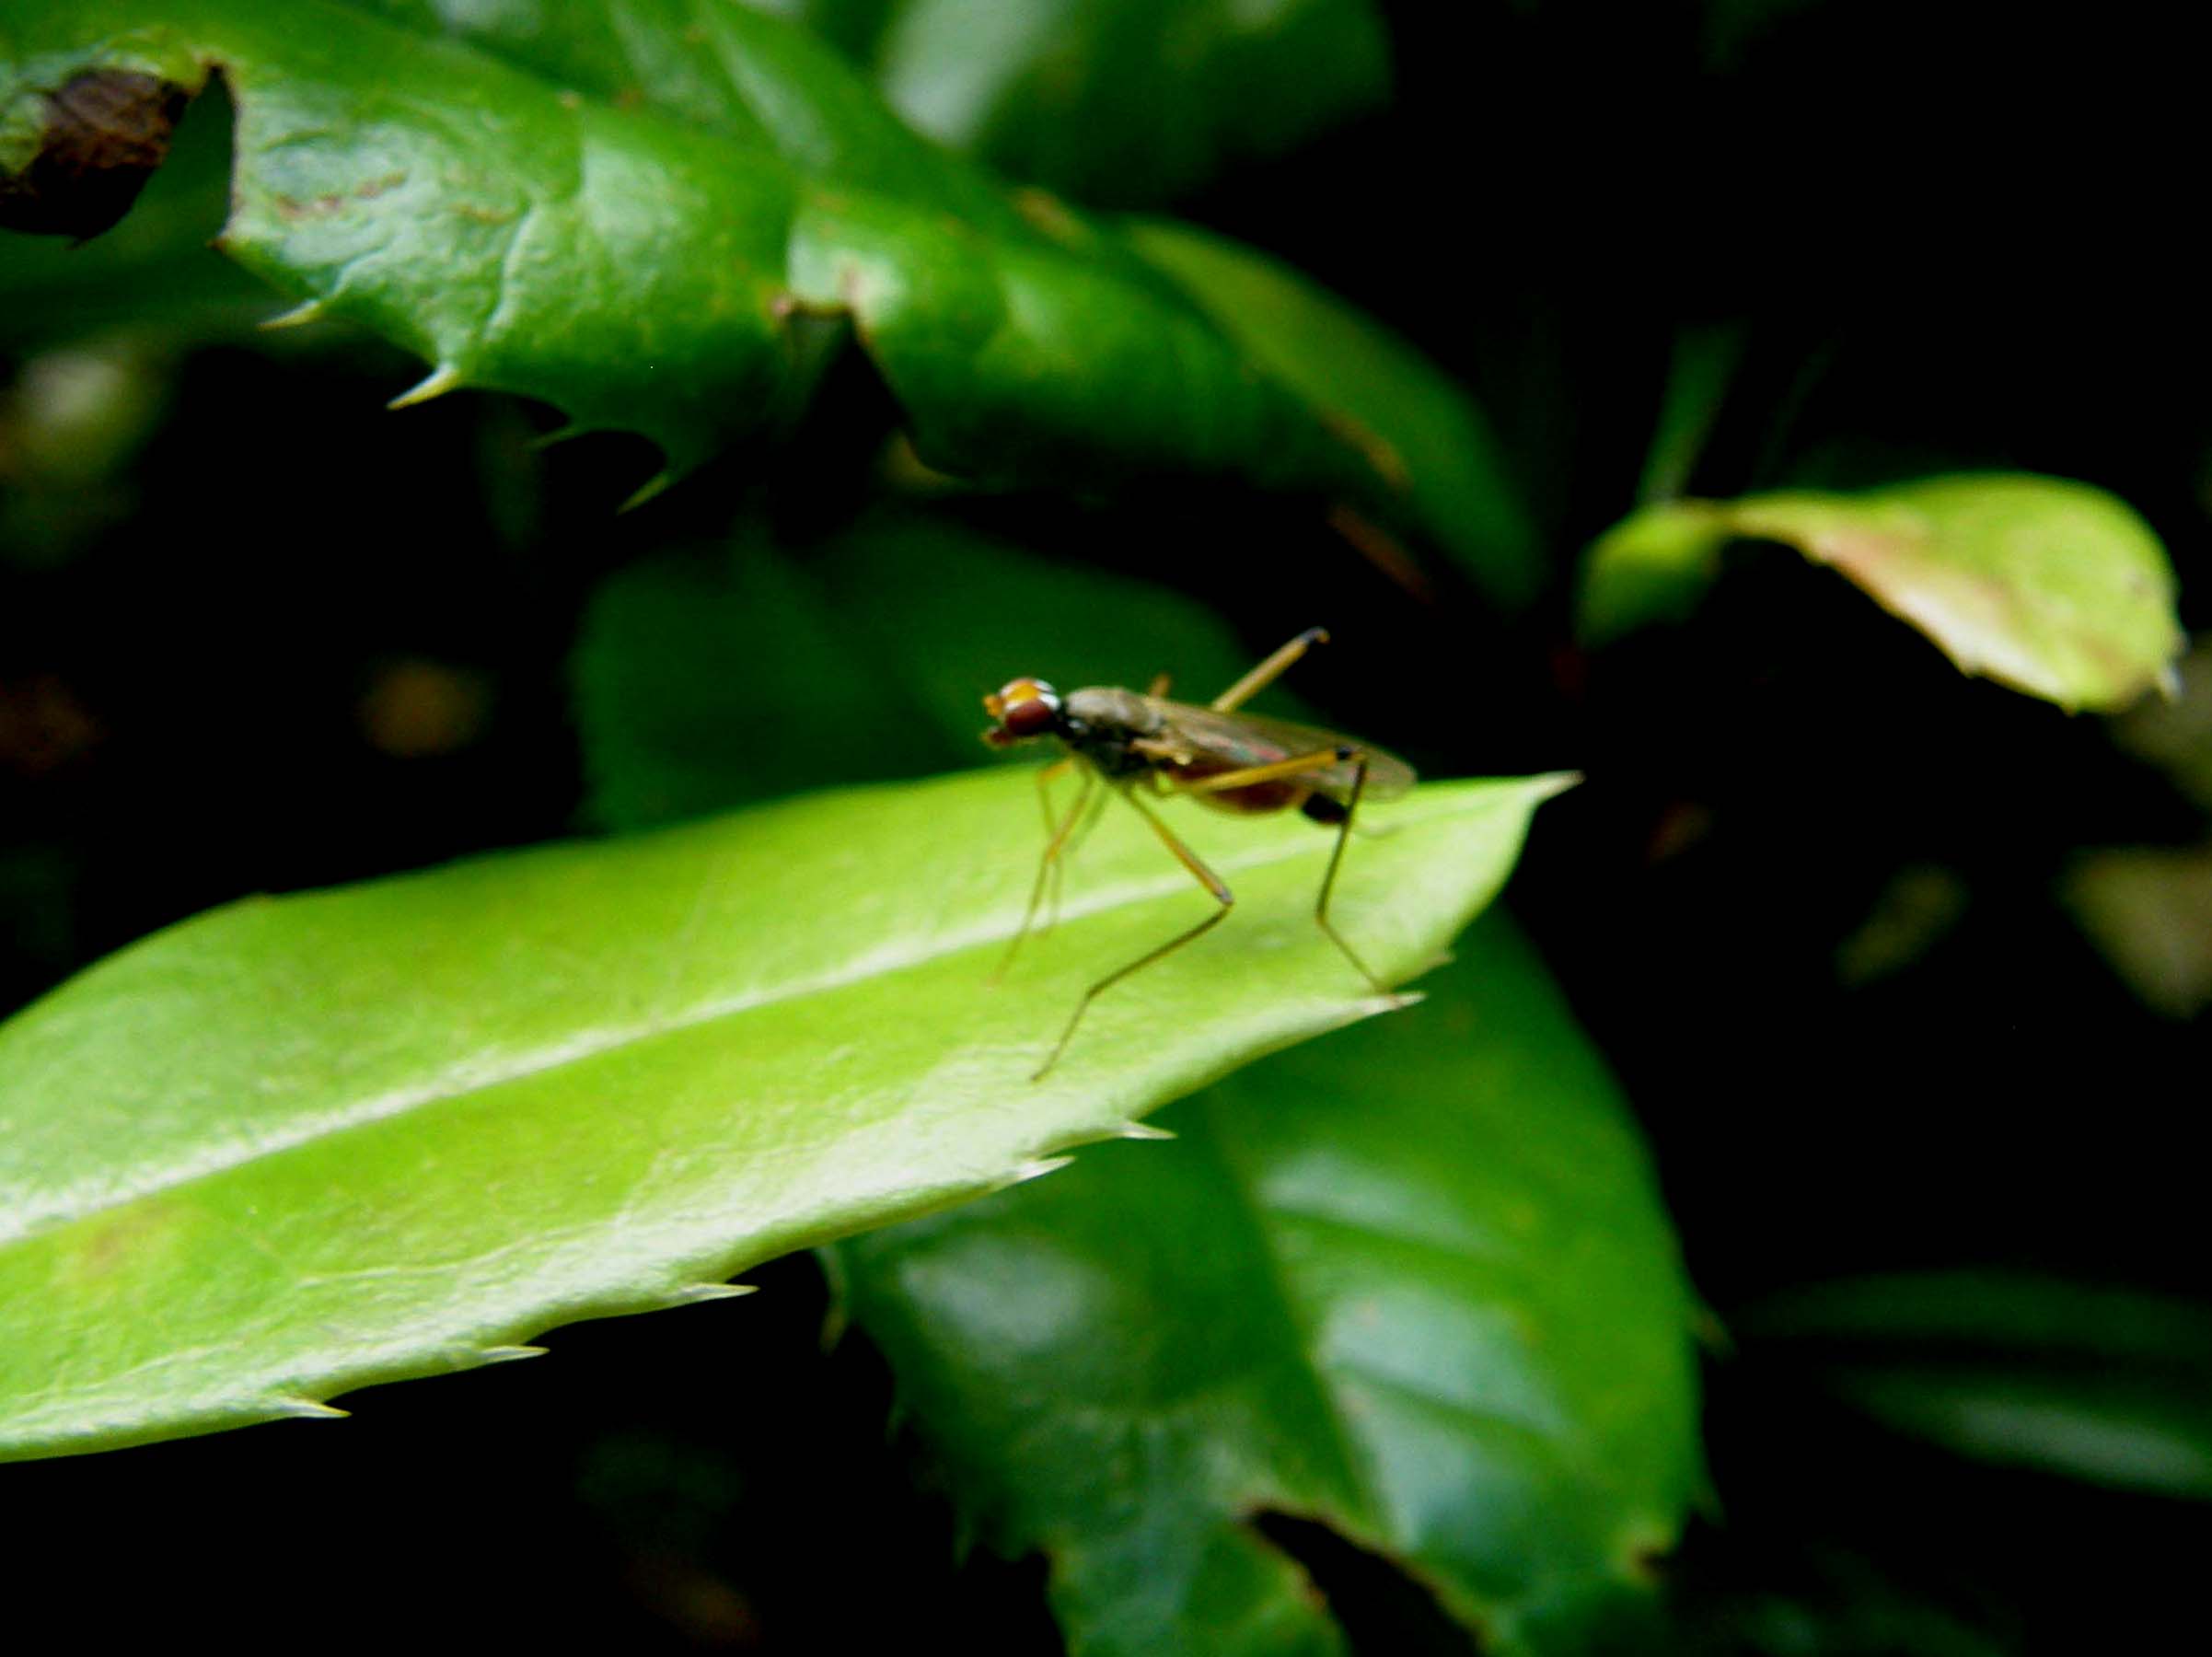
column 888, row 634
column 2106, row 1385
column 300, row 1145
column 752, row 81
column 2050, row 587
column 670, row 218
column 1117, row 102
column 678, row 717
column 1704, row 361
column 1420, row 429
column 2103, row 1429
column 1413, row 1282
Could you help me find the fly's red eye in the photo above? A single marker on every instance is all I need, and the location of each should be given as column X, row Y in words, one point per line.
column 1031, row 718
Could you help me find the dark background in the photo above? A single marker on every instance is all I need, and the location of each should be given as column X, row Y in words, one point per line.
column 295, row 639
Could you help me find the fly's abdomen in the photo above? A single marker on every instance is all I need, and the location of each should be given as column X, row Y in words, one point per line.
column 1278, row 795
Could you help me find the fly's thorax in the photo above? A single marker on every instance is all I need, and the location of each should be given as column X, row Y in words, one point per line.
column 1101, row 723
column 1108, row 707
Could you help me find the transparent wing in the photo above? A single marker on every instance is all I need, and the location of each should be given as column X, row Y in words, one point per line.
column 1237, row 740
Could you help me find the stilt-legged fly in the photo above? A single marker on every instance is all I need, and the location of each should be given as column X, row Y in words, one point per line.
column 1233, row 761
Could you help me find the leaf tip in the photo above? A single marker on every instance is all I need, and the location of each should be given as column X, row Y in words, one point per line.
column 445, row 378
column 1143, row 1131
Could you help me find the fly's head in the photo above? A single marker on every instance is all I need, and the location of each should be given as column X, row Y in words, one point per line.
column 1022, row 709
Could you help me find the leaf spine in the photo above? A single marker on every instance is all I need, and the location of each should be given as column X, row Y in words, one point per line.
column 309, row 310
column 647, row 489
column 559, row 434
column 508, row 1354
column 693, row 1293
column 311, row 1409
column 445, row 378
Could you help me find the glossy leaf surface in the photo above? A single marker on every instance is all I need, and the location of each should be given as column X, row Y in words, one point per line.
column 297, row 1145
column 2050, row 587
column 1412, row 1281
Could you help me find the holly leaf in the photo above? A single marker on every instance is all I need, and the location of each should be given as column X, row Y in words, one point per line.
column 298, row 1145
column 661, row 217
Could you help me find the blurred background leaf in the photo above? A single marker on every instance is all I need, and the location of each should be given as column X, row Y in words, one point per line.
column 2172, row 734
column 1423, row 431
column 1118, row 104
column 888, row 634
column 2107, row 1385
column 2150, row 909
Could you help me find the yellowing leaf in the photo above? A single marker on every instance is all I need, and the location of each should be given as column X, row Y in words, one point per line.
column 2053, row 587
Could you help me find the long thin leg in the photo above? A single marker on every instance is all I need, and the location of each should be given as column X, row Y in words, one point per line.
column 1045, row 779
column 1206, row 877
column 1067, row 855
column 1317, row 760
column 1328, row 882
column 1056, row 840
column 1268, row 671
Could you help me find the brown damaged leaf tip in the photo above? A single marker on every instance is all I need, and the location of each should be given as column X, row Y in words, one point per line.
column 105, row 131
